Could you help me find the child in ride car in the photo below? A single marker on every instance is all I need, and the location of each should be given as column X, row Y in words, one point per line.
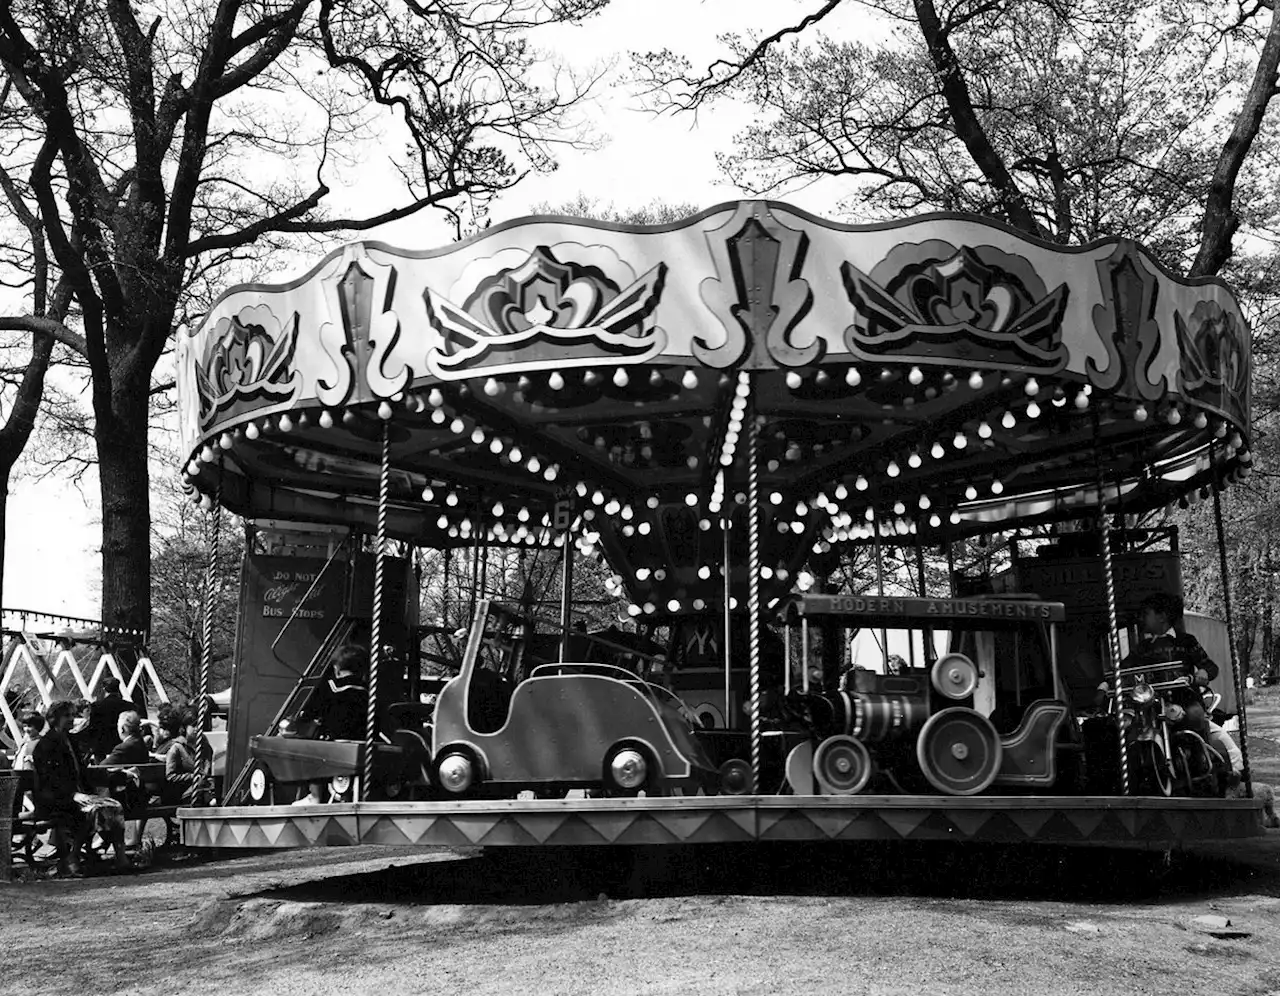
column 1163, row 643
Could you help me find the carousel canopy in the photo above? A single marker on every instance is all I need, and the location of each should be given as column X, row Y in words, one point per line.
column 938, row 376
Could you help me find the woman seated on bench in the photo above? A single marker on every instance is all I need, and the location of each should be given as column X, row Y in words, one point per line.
column 61, row 796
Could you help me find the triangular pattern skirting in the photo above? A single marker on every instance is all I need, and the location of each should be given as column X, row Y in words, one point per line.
column 741, row 818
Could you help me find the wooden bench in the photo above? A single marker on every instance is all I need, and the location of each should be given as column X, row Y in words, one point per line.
column 29, row 827
column 151, row 805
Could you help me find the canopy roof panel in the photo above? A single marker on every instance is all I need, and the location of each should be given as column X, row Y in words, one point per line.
column 941, row 375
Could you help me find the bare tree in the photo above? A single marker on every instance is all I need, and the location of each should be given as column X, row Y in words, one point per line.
column 165, row 143
column 1069, row 119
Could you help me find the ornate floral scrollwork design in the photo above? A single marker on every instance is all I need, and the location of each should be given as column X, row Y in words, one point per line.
column 366, row 332
column 1127, row 326
column 546, row 310
column 758, row 294
column 933, row 303
column 247, row 359
column 1214, row 363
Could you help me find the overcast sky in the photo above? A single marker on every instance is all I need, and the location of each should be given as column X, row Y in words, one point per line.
column 53, row 536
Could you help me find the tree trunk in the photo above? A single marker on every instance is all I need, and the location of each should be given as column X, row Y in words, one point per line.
column 4, row 519
column 121, row 436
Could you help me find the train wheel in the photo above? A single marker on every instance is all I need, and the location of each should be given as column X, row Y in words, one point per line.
column 841, row 766
column 954, row 676
column 959, row 751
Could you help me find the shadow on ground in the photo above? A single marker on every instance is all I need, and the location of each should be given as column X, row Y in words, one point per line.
column 539, row 876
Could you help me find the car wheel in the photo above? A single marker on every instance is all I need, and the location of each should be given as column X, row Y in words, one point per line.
column 456, row 772
column 629, row 770
column 260, row 787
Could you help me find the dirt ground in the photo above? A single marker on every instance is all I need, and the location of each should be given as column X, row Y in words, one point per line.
column 884, row 919
column 814, row 919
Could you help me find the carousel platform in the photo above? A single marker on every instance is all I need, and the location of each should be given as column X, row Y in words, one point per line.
column 724, row 819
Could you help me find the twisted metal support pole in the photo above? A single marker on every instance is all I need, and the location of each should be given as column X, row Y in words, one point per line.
column 1237, row 678
column 375, row 635
column 726, row 524
column 1113, row 621
column 753, row 582
column 206, row 634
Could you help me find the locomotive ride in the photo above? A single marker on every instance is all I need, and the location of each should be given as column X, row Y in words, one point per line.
column 731, row 416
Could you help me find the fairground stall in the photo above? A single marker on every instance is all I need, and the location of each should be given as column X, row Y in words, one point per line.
column 723, row 410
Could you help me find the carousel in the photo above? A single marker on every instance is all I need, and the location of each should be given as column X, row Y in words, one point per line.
column 718, row 410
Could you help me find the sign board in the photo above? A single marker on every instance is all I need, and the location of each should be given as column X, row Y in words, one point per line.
column 1078, row 581
column 266, row 670
column 563, row 512
column 892, row 610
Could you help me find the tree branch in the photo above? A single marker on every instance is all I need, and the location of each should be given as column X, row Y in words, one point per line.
column 1221, row 221
column 969, row 128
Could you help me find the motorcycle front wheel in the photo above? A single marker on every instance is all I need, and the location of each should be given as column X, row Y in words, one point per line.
column 1149, row 769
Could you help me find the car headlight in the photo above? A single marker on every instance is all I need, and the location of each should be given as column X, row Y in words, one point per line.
column 1143, row 693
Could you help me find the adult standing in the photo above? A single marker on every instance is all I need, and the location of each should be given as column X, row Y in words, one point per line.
column 104, row 714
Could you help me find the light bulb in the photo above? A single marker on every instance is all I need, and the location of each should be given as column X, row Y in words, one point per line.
column 852, row 377
column 1008, row 421
column 915, row 377
column 975, row 381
